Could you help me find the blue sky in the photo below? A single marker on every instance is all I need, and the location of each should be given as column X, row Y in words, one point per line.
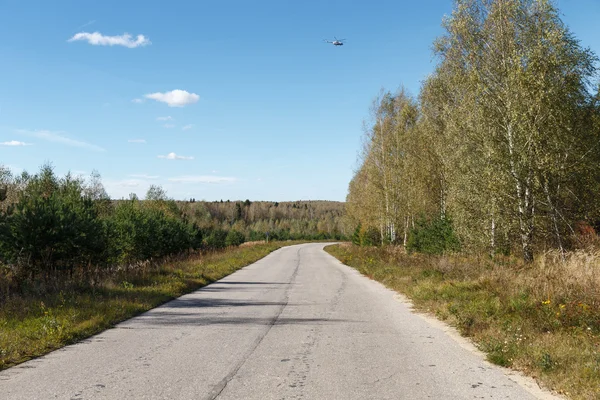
column 266, row 110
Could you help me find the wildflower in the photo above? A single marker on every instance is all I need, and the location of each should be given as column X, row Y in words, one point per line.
column 546, row 302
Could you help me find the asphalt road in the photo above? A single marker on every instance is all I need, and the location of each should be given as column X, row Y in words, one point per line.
column 295, row 325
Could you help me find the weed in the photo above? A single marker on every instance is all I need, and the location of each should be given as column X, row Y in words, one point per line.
column 546, row 362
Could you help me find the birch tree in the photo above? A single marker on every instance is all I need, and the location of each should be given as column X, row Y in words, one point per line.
column 525, row 80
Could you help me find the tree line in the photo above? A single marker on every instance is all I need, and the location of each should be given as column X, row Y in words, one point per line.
column 54, row 228
column 499, row 150
column 292, row 220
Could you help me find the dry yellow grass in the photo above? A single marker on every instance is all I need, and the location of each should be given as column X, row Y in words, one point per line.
column 35, row 323
column 248, row 244
column 542, row 318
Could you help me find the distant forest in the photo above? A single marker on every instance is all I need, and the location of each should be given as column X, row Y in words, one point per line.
column 280, row 220
column 54, row 227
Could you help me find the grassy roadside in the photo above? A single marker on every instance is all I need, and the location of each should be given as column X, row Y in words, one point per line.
column 542, row 319
column 31, row 326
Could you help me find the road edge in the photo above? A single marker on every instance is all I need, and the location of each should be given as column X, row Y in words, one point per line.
column 528, row 383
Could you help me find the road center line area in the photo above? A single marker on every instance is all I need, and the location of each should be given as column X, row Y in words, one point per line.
column 295, row 325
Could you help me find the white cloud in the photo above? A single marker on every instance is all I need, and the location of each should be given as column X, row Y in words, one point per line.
column 187, row 127
column 98, row 39
column 174, row 98
column 57, row 138
column 173, row 156
column 202, row 179
column 169, row 126
column 15, row 143
column 136, row 141
column 144, row 176
column 137, row 101
column 169, row 118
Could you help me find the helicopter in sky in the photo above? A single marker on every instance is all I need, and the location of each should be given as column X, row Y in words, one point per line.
column 335, row 41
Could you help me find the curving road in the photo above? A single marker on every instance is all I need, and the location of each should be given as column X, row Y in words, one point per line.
column 295, row 325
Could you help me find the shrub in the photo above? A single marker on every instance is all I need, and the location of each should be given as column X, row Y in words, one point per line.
column 234, row 238
column 216, row 239
column 356, row 235
column 136, row 233
column 371, row 237
column 433, row 237
column 52, row 227
column 255, row 236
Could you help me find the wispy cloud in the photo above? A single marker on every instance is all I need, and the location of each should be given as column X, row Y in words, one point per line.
column 187, row 127
column 127, row 183
column 121, row 188
column 86, row 24
column 15, row 169
column 98, row 39
column 173, row 156
column 15, row 143
column 144, row 176
column 174, row 98
column 137, row 101
column 169, row 126
column 57, row 137
column 202, row 179
column 169, row 118
column 136, row 141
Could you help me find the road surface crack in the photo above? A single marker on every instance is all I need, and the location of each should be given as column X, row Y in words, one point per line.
column 220, row 387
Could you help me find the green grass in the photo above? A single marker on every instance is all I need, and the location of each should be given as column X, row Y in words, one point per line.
column 542, row 319
column 33, row 325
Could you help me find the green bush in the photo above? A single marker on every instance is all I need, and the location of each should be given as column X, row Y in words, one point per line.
column 137, row 232
column 371, row 237
column 52, row 227
column 255, row 236
column 234, row 238
column 356, row 235
column 216, row 239
column 433, row 237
